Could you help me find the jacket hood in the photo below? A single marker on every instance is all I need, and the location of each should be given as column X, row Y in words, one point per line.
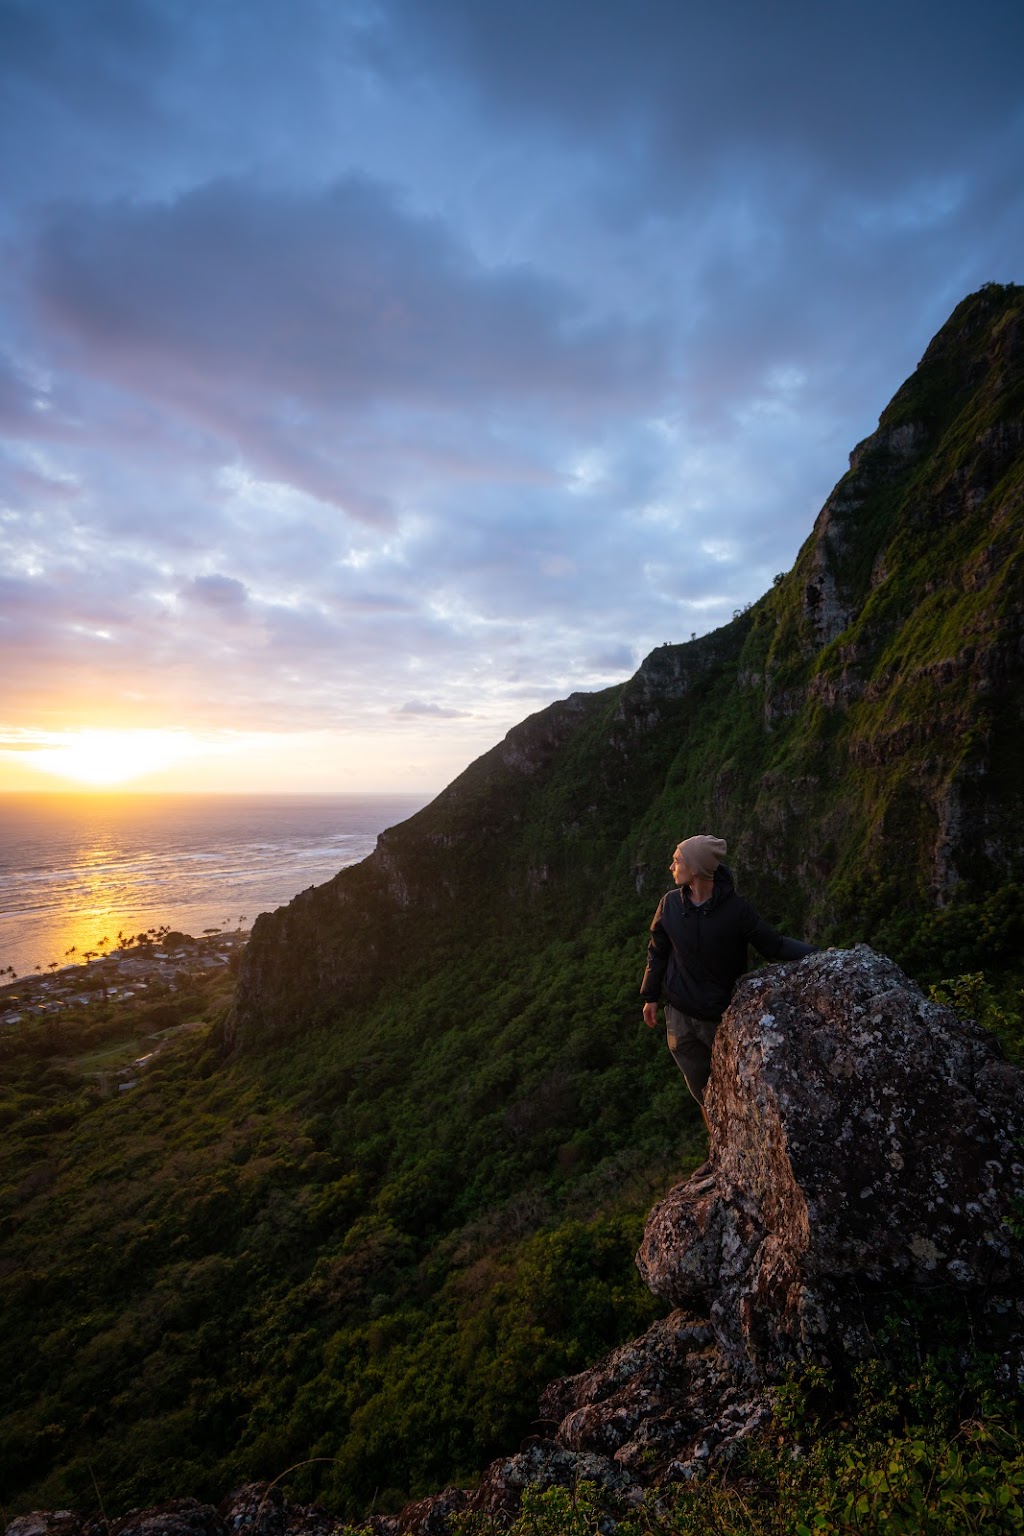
column 724, row 885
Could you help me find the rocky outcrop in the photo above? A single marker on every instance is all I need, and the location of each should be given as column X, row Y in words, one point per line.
column 864, row 1139
column 258, row 1509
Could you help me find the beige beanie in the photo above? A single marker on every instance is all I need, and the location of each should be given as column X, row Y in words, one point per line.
column 702, row 853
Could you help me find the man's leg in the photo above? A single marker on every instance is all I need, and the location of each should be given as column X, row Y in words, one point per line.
column 689, row 1042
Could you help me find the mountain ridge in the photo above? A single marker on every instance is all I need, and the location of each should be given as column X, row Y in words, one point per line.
column 863, row 714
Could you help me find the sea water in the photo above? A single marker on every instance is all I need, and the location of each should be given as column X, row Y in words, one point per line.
column 77, row 869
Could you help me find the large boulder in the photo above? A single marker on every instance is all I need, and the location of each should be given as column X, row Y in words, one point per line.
column 863, row 1138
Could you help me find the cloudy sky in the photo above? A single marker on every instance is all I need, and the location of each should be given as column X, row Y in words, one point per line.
column 374, row 372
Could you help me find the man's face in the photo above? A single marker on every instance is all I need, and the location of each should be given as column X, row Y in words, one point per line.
column 682, row 874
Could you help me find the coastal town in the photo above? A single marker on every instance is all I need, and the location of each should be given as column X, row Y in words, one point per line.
column 152, row 964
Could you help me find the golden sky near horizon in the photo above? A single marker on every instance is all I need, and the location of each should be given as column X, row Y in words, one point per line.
column 238, row 762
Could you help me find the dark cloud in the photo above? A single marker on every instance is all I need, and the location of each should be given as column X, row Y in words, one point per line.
column 868, row 90
column 319, row 301
column 280, row 322
column 16, row 399
column 422, row 709
column 221, row 593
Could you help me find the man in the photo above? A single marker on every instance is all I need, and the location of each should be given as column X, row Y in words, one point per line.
column 698, row 951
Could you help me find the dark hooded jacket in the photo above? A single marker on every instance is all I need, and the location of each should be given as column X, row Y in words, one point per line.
column 696, row 954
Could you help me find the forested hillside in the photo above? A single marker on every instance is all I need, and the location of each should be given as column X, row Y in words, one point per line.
column 397, row 1186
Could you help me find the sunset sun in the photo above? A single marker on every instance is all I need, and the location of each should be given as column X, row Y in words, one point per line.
column 104, row 758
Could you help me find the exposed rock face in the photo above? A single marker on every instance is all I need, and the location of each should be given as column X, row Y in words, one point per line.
column 862, row 1136
column 866, row 1141
column 661, row 1406
column 258, row 1509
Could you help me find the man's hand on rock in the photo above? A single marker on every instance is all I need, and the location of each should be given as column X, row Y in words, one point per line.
column 651, row 1015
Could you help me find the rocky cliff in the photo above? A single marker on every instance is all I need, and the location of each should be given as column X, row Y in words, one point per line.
column 856, row 735
column 866, row 1147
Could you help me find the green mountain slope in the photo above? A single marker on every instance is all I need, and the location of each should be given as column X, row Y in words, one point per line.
column 856, row 735
column 399, row 1187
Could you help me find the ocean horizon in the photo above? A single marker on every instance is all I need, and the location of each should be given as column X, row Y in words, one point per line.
column 77, row 868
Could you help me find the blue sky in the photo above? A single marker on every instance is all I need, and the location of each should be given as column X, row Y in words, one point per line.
column 372, row 374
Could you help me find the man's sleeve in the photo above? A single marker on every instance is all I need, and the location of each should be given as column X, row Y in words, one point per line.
column 658, row 949
column 795, row 949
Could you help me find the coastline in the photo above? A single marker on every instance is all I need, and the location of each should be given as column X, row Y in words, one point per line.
column 167, row 962
column 73, row 870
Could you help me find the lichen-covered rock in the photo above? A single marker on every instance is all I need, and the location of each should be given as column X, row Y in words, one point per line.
column 664, row 1401
column 51, row 1522
column 539, row 1463
column 258, row 1509
column 432, row 1516
column 178, row 1517
column 544, row 1464
column 861, row 1136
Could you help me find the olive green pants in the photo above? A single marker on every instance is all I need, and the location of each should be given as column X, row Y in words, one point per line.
column 689, row 1042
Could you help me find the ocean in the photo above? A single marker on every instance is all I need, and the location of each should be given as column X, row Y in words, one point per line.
column 76, row 869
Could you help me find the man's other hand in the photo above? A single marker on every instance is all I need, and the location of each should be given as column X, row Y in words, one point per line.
column 651, row 1015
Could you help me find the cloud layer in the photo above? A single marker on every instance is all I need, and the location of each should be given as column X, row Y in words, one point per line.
column 385, row 372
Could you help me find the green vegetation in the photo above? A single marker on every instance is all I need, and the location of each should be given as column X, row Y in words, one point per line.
column 911, row 1443
column 368, row 1251
column 916, row 1483
column 373, row 1247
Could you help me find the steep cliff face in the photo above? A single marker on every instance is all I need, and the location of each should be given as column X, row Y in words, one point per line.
column 896, row 643
column 856, row 735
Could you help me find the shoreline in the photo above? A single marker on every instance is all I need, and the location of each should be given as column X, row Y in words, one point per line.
column 170, row 960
